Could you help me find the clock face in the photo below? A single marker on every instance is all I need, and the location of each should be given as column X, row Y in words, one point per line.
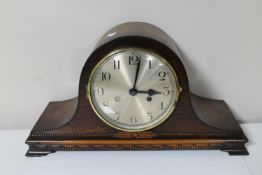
column 133, row 89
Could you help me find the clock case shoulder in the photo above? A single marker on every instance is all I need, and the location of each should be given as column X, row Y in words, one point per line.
column 196, row 123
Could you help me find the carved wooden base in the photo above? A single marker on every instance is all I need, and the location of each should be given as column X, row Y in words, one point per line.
column 60, row 129
column 44, row 147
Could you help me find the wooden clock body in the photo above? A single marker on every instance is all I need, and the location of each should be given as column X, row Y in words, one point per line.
column 197, row 123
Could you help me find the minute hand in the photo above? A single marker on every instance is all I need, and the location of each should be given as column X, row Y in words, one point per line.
column 137, row 71
column 150, row 92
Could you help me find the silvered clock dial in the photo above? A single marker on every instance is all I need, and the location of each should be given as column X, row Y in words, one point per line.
column 132, row 89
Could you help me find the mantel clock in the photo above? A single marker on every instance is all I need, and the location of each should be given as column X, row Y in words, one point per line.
column 134, row 95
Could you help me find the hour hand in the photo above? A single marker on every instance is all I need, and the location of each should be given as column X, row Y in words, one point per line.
column 150, row 92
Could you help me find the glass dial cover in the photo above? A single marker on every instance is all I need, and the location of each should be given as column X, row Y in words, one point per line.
column 133, row 89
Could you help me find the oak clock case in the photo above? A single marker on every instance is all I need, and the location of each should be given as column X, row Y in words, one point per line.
column 134, row 95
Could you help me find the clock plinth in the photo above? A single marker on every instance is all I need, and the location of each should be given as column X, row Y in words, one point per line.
column 196, row 123
column 71, row 136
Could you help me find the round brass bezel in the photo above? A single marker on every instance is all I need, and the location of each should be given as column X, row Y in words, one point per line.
column 166, row 114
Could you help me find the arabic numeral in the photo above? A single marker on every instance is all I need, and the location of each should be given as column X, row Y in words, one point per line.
column 149, row 116
column 117, row 115
column 106, row 76
column 116, row 64
column 100, row 91
column 149, row 64
column 133, row 119
column 162, row 105
column 133, row 60
column 166, row 91
column 162, row 75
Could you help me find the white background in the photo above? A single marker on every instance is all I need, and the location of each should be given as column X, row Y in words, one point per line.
column 44, row 44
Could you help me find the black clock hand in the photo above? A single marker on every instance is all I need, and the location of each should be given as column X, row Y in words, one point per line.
column 133, row 91
column 150, row 92
column 137, row 71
